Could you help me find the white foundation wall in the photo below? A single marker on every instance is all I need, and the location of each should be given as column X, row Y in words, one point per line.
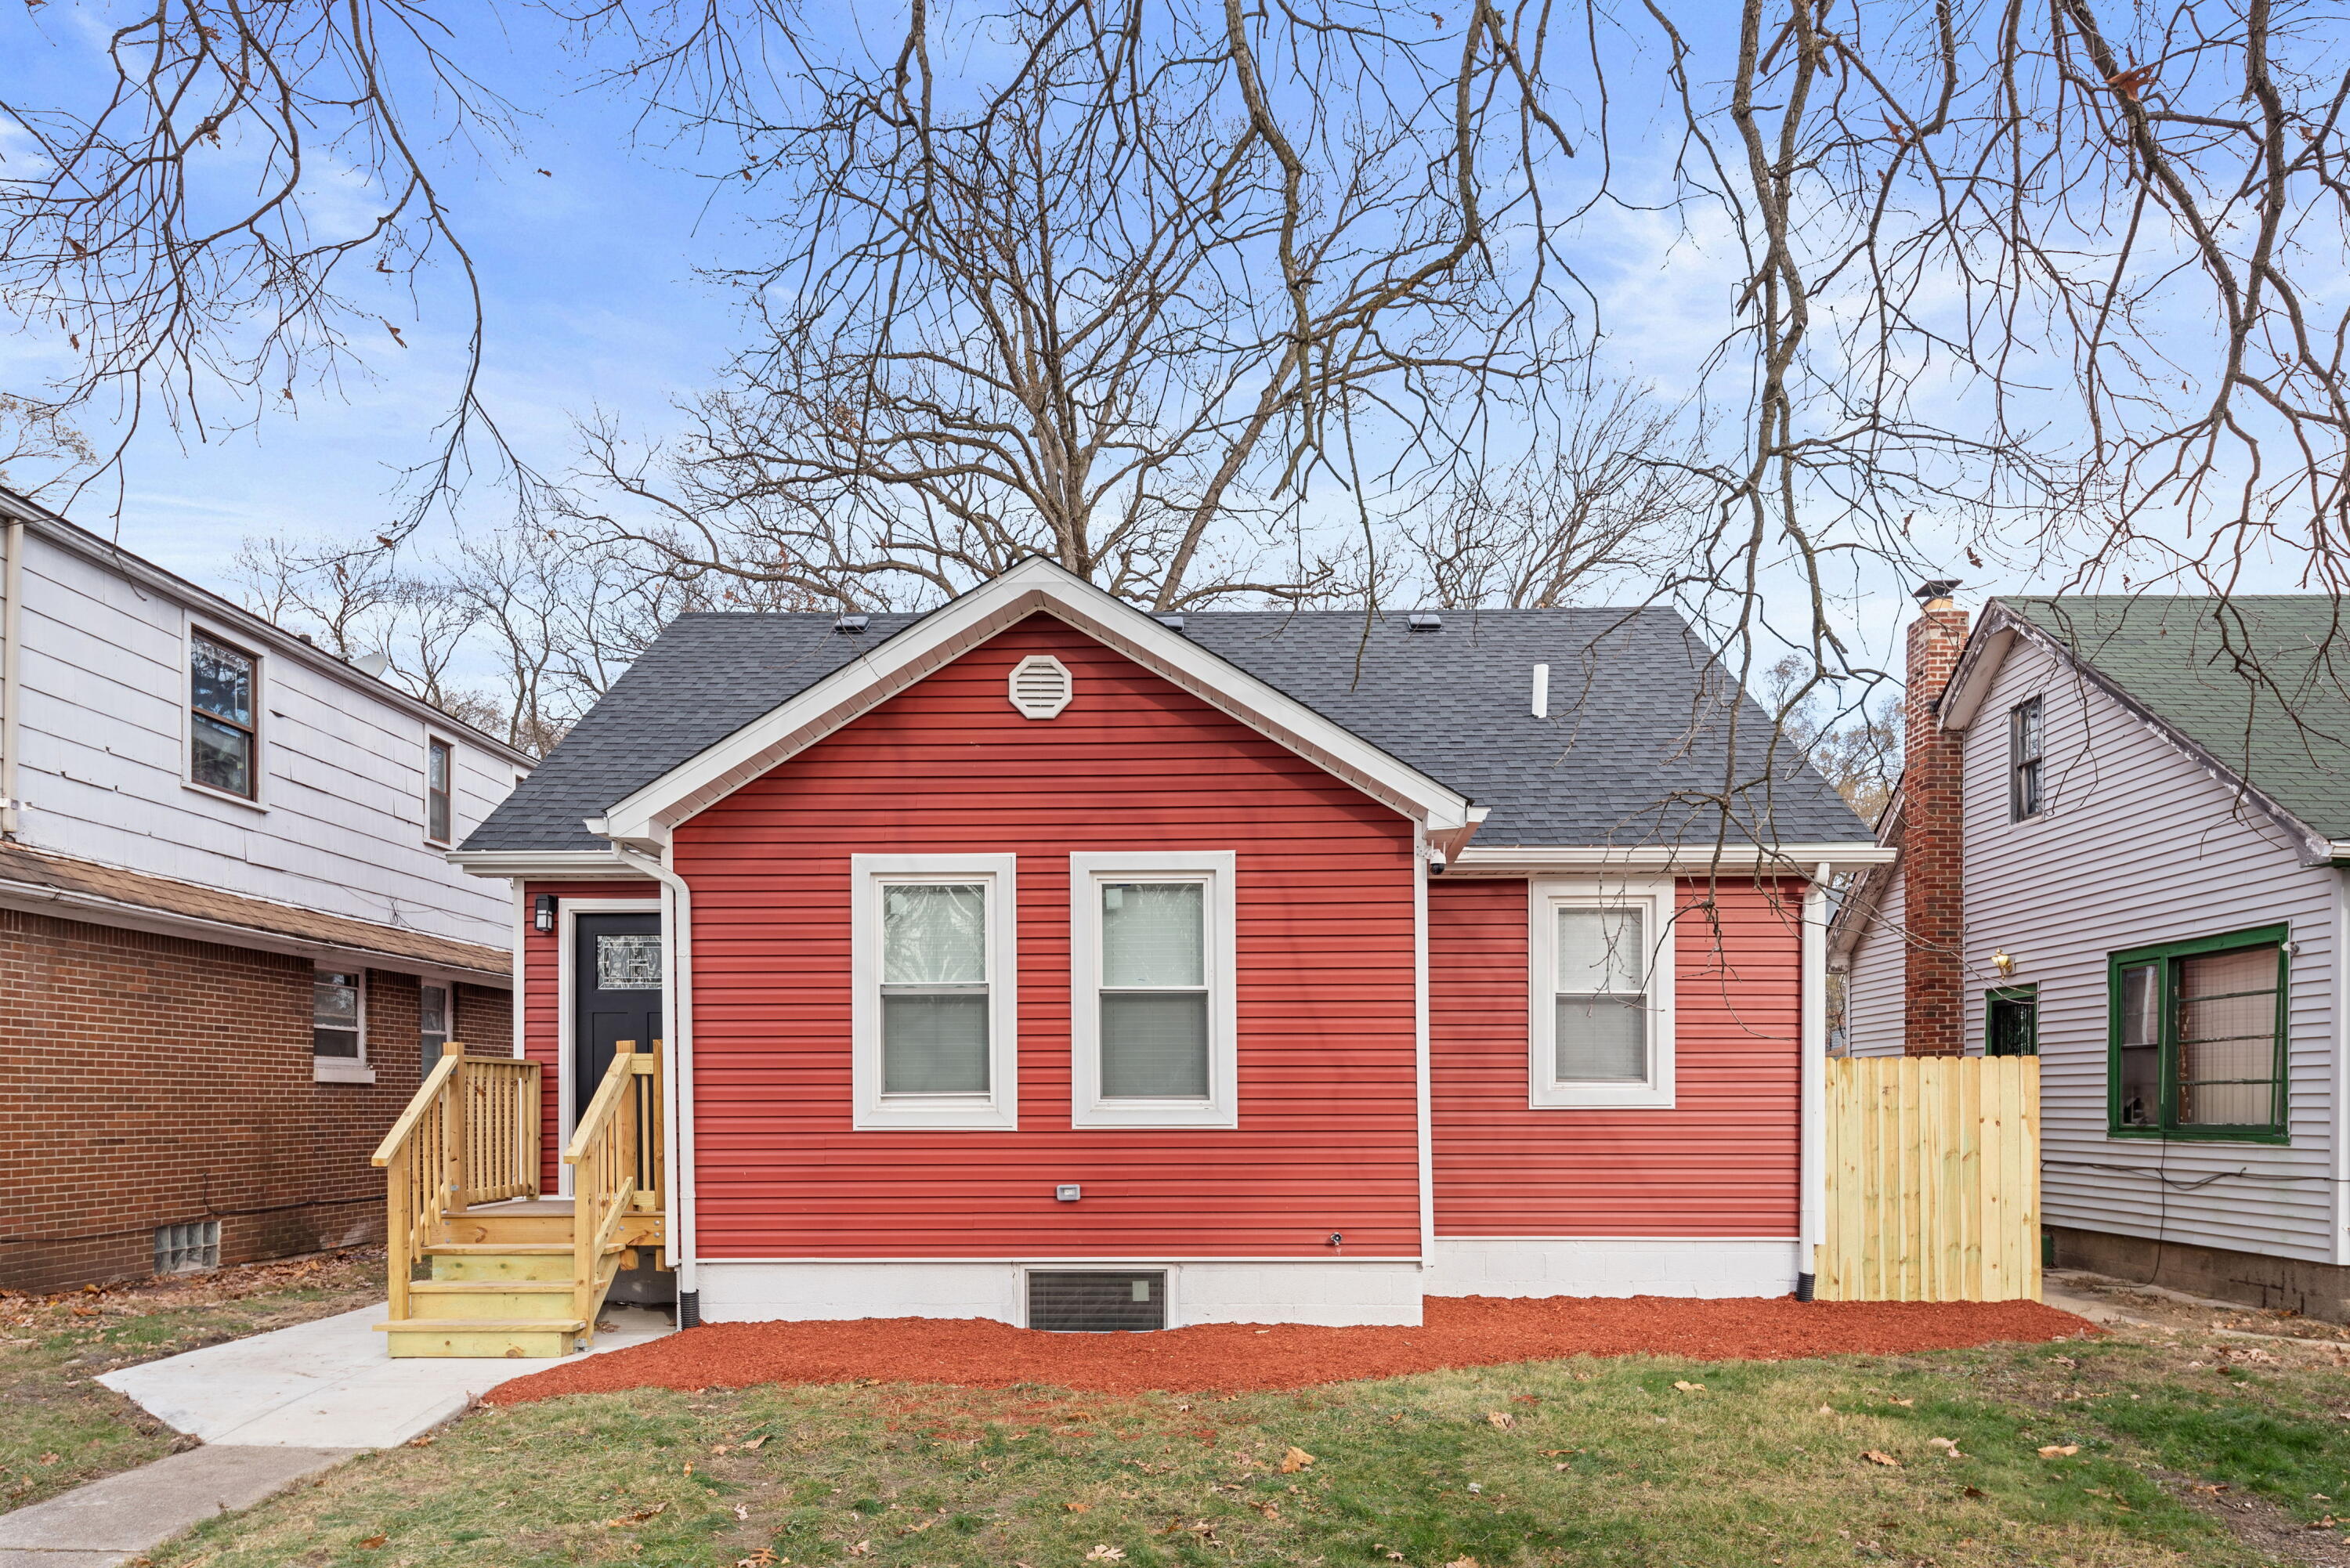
column 1333, row 1294
column 1610, row 1266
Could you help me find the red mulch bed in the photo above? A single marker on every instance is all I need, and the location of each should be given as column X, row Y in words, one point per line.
column 1459, row 1331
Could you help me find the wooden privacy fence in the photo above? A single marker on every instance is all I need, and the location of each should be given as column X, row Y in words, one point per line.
column 1933, row 1180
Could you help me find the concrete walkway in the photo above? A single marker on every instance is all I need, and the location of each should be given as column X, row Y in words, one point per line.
column 271, row 1409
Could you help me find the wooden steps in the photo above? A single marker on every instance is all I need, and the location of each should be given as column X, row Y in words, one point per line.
column 503, row 1281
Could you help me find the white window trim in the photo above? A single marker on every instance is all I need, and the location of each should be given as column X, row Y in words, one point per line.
column 341, row 1069
column 425, row 792
column 191, row 629
column 1653, row 897
column 1087, row 1108
column 998, row 1110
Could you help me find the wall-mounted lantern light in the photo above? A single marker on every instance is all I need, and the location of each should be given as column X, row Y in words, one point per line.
column 542, row 912
column 2005, row 962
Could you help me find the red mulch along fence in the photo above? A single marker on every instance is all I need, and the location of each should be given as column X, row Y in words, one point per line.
column 1459, row 1331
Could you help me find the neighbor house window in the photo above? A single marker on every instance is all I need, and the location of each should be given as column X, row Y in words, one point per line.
column 439, row 758
column 2023, row 760
column 1601, row 998
column 2011, row 1020
column 338, row 1026
column 223, row 736
column 1153, row 1023
column 934, row 1016
column 431, row 1022
column 2199, row 1038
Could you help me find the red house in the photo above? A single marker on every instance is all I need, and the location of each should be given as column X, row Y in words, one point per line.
column 1043, row 960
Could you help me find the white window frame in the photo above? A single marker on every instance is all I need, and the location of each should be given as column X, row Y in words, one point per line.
column 195, row 629
column 997, row 1110
column 1216, row 869
column 434, row 738
column 1545, row 897
column 341, row 1069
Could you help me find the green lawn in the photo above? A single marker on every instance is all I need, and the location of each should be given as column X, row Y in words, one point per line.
column 1579, row 1462
column 62, row 1429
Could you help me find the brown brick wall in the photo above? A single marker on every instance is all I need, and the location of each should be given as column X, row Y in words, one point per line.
column 1933, row 996
column 148, row 1080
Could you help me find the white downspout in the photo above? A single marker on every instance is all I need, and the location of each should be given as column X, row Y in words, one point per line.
column 1813, row 1050
column 677, row 1010
column 1420, row 1048
column 2338, row 1119
column 12, row 643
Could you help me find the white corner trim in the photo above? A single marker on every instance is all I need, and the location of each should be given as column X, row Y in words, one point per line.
column 998, row 1110
column 1087, row 1106
column 1033, row 586
column 1811, row 1077
column 1044, row 698
column 1423, row 1045
column 1653, row 897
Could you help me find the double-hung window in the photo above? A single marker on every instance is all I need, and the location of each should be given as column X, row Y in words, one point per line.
column 936, row 974
column 440, row 764
column 2199, row 1038
column 2023, row 744
column 338, row 1026
column 1153, row 1019
column 432, row 1012
column 1600, row 1003
column 223, row 728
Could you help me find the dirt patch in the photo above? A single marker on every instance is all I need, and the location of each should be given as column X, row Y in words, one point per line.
column 1459, row 1331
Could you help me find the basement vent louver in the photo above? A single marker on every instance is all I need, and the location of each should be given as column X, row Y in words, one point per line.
column 1042, row 686
column 1097, row 1302
column 187, row 1248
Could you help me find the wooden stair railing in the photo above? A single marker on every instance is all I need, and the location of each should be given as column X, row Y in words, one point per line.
column 615, row 1160
column 469, row 1136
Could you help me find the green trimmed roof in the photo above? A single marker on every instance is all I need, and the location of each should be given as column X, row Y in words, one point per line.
column 2261, row 682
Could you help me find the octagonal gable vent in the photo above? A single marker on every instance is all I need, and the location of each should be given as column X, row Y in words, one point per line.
column 1042, row 686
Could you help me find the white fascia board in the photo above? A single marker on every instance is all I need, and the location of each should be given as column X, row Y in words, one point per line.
column 1979, row 664
column 949, row 632
column 1685, row 860
column 543, row 862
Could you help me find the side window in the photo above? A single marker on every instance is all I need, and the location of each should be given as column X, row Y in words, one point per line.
column 431, row 1022
column 338, row 1026
column 2023, row 744
column 1600, row 991
column 223, row 727
column 2199, row 1039
column 439, row 759
column 2011, row 1020
column 934, row 1015
column 1154, row 1021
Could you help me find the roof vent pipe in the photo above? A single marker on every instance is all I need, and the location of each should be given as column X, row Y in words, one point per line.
column 1542, row 690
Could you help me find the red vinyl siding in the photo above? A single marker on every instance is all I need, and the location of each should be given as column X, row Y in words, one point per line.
column 543, row 1004
column 1722, row 1162
column 1328, row 1140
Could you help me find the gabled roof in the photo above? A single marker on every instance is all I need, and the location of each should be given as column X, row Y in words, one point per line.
column 2257, row 686
column 1636, row 750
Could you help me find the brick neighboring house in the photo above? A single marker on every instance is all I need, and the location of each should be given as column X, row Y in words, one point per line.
column 229, row 937
column 2123, row 844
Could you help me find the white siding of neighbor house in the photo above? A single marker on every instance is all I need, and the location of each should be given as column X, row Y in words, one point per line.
column 339, row 825
column 1873, row 979
column 2138, row 844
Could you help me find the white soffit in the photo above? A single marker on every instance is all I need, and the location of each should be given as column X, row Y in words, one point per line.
column 948, row 633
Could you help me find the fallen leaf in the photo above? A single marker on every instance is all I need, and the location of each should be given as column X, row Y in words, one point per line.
column 1079, row 1507
column 1971, row 1491
column 2063, row 1361
column 763, row 1558
column 371, row 1542
column 1949, row 1443
column 1502, row 1419
column 689, row 1467
column 49, row 1459
column 1891, row 1401
column 1688, row 1387
column 2060, row 1450
column 862, row 1548
column 425, row 1442
column 1106, row 1554
column 1827, row 1410
column 1296, row 1459
column 724, row 1448
column 1879, row 1456
column 741, row 1511
column 1463, row 1562
column 752, row 1445
column 623, row 1521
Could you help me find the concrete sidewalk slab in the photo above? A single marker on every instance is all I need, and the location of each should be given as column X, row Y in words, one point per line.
column 110, row 1521
column 329, row 1384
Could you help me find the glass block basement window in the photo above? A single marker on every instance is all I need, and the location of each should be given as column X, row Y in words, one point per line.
column 185, row 1249
column 1096, row 1301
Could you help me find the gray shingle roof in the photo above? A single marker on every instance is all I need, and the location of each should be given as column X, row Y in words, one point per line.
column 1636, row 750
column 2257, row 682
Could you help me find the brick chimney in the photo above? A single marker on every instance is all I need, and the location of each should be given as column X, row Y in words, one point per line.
column 1933, row 1001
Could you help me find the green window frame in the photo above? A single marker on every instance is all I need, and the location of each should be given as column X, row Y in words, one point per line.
column 2157, row 998
column 2011, row 1020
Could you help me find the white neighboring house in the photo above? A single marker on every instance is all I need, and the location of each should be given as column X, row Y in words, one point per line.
column 231, row 933
column 2122, row 834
